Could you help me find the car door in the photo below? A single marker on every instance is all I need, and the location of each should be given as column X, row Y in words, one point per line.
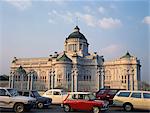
column 73, row 101
column 80, row 102
column 83, row 102
column 136, row 100
column 146, row 101
column 48, row 94
column 57, row 97
column 5, row 99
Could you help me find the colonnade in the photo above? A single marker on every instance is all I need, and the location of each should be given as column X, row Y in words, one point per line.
column 30, row 80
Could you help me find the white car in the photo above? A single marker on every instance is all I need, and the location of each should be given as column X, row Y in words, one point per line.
column 132, row 100
column 9, row 98
column 57, row 95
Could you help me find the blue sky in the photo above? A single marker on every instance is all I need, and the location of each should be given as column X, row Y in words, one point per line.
column 37, row 28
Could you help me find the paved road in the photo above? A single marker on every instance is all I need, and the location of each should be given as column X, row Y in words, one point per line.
column 58, row 109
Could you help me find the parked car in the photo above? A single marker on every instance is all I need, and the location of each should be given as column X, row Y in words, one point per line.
column 57, row 95
column 130, row 100
column 41, row 101
column 9, row 98
column 83, row 101
column 106, row 94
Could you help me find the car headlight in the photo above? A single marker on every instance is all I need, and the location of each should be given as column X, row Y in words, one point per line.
column 29, row 102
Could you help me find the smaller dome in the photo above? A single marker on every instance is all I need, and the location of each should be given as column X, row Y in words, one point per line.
column 77, row 34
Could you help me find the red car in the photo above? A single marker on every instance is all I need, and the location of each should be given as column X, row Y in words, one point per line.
column 106, row 94
column 85, row 101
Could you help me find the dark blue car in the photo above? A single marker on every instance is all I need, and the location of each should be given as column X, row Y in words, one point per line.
column 41, row 101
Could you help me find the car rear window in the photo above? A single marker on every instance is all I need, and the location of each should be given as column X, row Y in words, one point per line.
column 112, row 92
column 56, row 93
column 101, row 91
column 124, row 94
column 146, row 95
column 136, row 95
column 26, row 94
column 2, row 92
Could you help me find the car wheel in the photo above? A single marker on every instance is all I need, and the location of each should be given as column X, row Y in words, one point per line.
column 96, row 110
column 66, row 108
column 40, row 105
column 128, row 107
column 19, row 108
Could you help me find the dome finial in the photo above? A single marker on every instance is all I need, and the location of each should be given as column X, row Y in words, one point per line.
column 76, row 29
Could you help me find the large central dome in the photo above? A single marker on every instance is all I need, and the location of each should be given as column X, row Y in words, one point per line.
column 77, row 34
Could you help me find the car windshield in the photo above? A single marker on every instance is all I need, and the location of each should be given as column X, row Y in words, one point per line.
column 36, row 94
column 13, row 92
column 63, row 92
column 91, row 97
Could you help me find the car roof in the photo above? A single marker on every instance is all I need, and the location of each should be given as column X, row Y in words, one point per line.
column 27, row 90
column 55, row 90
column 6, row 88
column 134, row 91
column 80, row 92
column 110, row 89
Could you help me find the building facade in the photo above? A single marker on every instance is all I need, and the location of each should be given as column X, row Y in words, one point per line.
column 75, row 69
column 123, row 73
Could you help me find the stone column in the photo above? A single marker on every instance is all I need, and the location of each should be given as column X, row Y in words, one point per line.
column 98, row 78
column 49, row 80
column 21, row 81
column 52, row 80
column 76, row 80
column 67, row 80
column 31, row 85
column 132, row 79
column 28, row 85
column 128, row 79
column 102, row 77
column 12, row 81
column 72, row 81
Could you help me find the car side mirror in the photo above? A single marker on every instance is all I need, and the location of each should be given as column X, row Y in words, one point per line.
column 8, row 95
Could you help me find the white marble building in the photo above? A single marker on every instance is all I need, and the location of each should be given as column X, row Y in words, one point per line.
column 123, row 73
column 74, row 69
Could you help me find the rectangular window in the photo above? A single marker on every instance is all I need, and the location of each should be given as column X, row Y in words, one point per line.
column 87, row 77
column 146, row 95
column 124, row 94
column 74, row 96
column 112, row 92
column 2, row 92
column 84, row 77
column 136, row 95
column 102, row 91
column 49, row 93
column 80, row 96
column 90, row 78
column 56, row 93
